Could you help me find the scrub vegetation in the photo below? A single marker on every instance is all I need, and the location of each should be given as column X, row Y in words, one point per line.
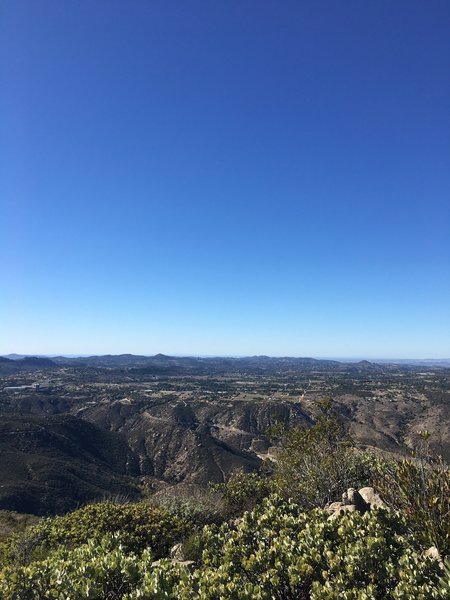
column 258, row 536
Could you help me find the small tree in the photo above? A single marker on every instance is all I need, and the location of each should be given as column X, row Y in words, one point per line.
column 315, row 465
column 243, row 491
column 420, row 487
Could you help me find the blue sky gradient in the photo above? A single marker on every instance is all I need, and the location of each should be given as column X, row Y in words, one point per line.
column 225, row 177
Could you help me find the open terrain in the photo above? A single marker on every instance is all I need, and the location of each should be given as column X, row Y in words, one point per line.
column 81, row 429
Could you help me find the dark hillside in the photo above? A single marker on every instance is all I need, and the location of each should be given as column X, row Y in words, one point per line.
column 28, row 363
column 54, row 464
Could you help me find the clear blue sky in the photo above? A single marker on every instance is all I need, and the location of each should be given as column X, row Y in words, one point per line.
column 225, row 177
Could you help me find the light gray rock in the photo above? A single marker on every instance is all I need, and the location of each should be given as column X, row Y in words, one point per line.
column 335, row 506
column 176, row 552
column 433, row 553
column 369, row 495
column 352, row 496
column 347, row 497
column 344, row 508
column 186, row 563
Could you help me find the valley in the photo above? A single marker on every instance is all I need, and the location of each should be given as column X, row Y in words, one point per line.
column 82, row 429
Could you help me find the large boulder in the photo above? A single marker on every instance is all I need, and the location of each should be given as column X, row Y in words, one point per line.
column 353, row 497
column 371, row 497
column 354, row 500
column 341, row 509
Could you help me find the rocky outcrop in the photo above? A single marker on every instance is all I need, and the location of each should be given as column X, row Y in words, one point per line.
column 370, row 497
column 354, row 500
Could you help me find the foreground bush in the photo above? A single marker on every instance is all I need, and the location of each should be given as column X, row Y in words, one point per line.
column 421, row 490
column 276, row 552
column 279, row 552
column 137, row 526
column 100, row 570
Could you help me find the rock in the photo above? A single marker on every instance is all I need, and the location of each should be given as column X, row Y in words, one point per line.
column 355, row 498
column 345, row 496
column 370, row 497
column 335, row 506
column 176, row 552
column 185, row 563
column 342, row 509
column 433, row 553
column 352, row 496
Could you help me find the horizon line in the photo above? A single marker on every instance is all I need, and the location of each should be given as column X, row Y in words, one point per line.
column 182, row 355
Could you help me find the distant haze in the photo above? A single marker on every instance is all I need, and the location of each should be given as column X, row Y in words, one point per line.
column 442, row 362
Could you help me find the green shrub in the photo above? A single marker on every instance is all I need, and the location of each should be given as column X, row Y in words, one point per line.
column 96, row 570
column 280, row 552
column 197, row 507
column 316, row 465
column 193, row 547
column 277, row 552
column 137, row 525
column 242, row 492
column 421, row 490
column 14, row 522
